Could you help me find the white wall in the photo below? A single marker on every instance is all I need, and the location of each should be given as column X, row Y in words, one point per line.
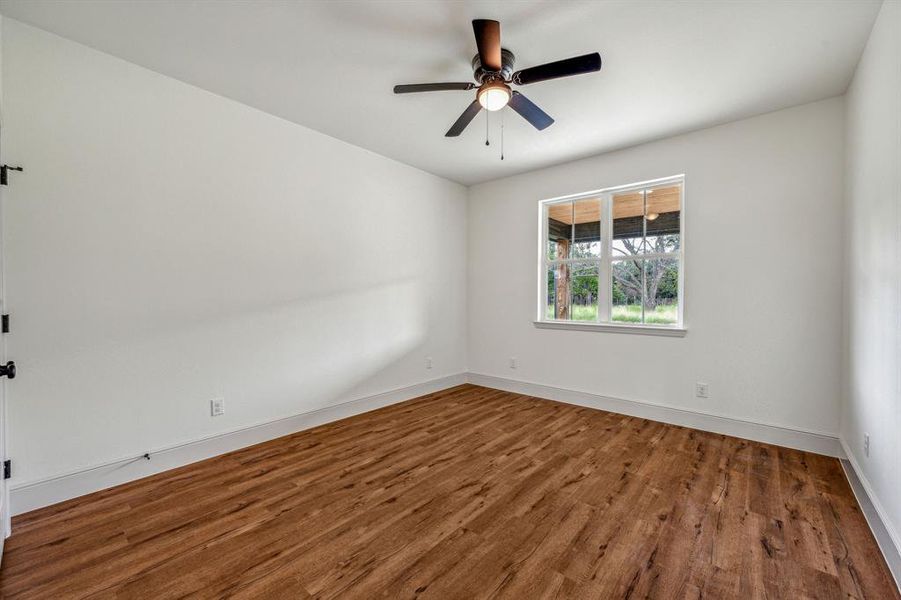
column 873, row 268
column 763, row 207
column 166, row 246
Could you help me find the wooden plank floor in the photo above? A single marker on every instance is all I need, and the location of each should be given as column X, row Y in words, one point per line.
column 467, row 493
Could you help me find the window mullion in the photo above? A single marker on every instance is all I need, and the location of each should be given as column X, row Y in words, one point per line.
column 605, row 280
column 644, row 249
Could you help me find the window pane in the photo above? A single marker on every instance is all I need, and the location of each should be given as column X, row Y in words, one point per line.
column 628, row 223
column 626, row 291
column 586, row 241
column 647, row 221
column 572, row 291
column 662, row 218
column 558, row 276
column 551, row 293
column 584, row 291
column 559, row 230
column 661, row 303
column 574, row 229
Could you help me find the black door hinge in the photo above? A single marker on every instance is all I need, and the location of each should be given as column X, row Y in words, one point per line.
column 4, row 323
column 4, row 173
column 7, row 469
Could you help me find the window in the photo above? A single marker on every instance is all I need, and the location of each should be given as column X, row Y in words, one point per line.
column 614, row 257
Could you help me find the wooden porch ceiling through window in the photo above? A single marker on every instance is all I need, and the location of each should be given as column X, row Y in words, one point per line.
column 664, row 204
column 660, row 201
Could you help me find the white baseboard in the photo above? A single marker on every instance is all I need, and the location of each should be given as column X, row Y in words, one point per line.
column 32, row 495
column 810, row 441
column 885, row 533
column 36, row 494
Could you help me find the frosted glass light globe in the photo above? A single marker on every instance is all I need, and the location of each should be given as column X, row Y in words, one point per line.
column 494, row 96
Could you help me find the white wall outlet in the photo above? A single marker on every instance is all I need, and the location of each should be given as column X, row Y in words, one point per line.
column 217, row 407
column 702, row 390
column 428, row 362
column 514, row 362
column 866, row 445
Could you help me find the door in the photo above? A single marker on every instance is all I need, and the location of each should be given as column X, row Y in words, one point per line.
column 7, row 371
column 5, row 521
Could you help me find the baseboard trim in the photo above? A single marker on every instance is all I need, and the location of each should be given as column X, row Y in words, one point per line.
column 886, row 535
column 810, row 441
column 37, row 494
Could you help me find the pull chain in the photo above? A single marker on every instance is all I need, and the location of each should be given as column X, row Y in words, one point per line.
column 502, row 134
column 486, row 128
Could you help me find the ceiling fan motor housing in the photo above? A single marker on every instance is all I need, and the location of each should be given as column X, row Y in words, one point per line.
column 481, row 75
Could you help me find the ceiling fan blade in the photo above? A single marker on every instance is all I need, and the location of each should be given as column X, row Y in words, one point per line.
column 578, row 65
column 468, row 115
column 431, row 87
column 488, row 40
column 530, row 112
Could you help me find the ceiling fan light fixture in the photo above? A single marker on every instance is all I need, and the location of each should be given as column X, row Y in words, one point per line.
column 494, row 95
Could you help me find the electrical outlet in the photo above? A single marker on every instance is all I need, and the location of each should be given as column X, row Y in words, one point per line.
column 866, row 445
column 217, row 407
column 702, row 390
column 514, row 362
column 428, row 362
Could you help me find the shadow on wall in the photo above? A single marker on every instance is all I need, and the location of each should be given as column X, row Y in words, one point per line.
column 121, row 398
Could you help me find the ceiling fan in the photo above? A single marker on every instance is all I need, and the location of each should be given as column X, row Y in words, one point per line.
column 493, row 72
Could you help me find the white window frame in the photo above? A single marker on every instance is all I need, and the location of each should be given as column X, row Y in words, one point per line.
column 605, row 262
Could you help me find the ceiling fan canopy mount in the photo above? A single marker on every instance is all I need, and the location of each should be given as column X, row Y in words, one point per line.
column 505, row 73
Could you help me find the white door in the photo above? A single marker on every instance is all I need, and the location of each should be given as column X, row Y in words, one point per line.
column 6, row 372
column 5, row 522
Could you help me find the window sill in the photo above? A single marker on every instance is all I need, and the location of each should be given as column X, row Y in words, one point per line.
column 613, row 328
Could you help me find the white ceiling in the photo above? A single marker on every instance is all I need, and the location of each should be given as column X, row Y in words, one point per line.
column 669, row 67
